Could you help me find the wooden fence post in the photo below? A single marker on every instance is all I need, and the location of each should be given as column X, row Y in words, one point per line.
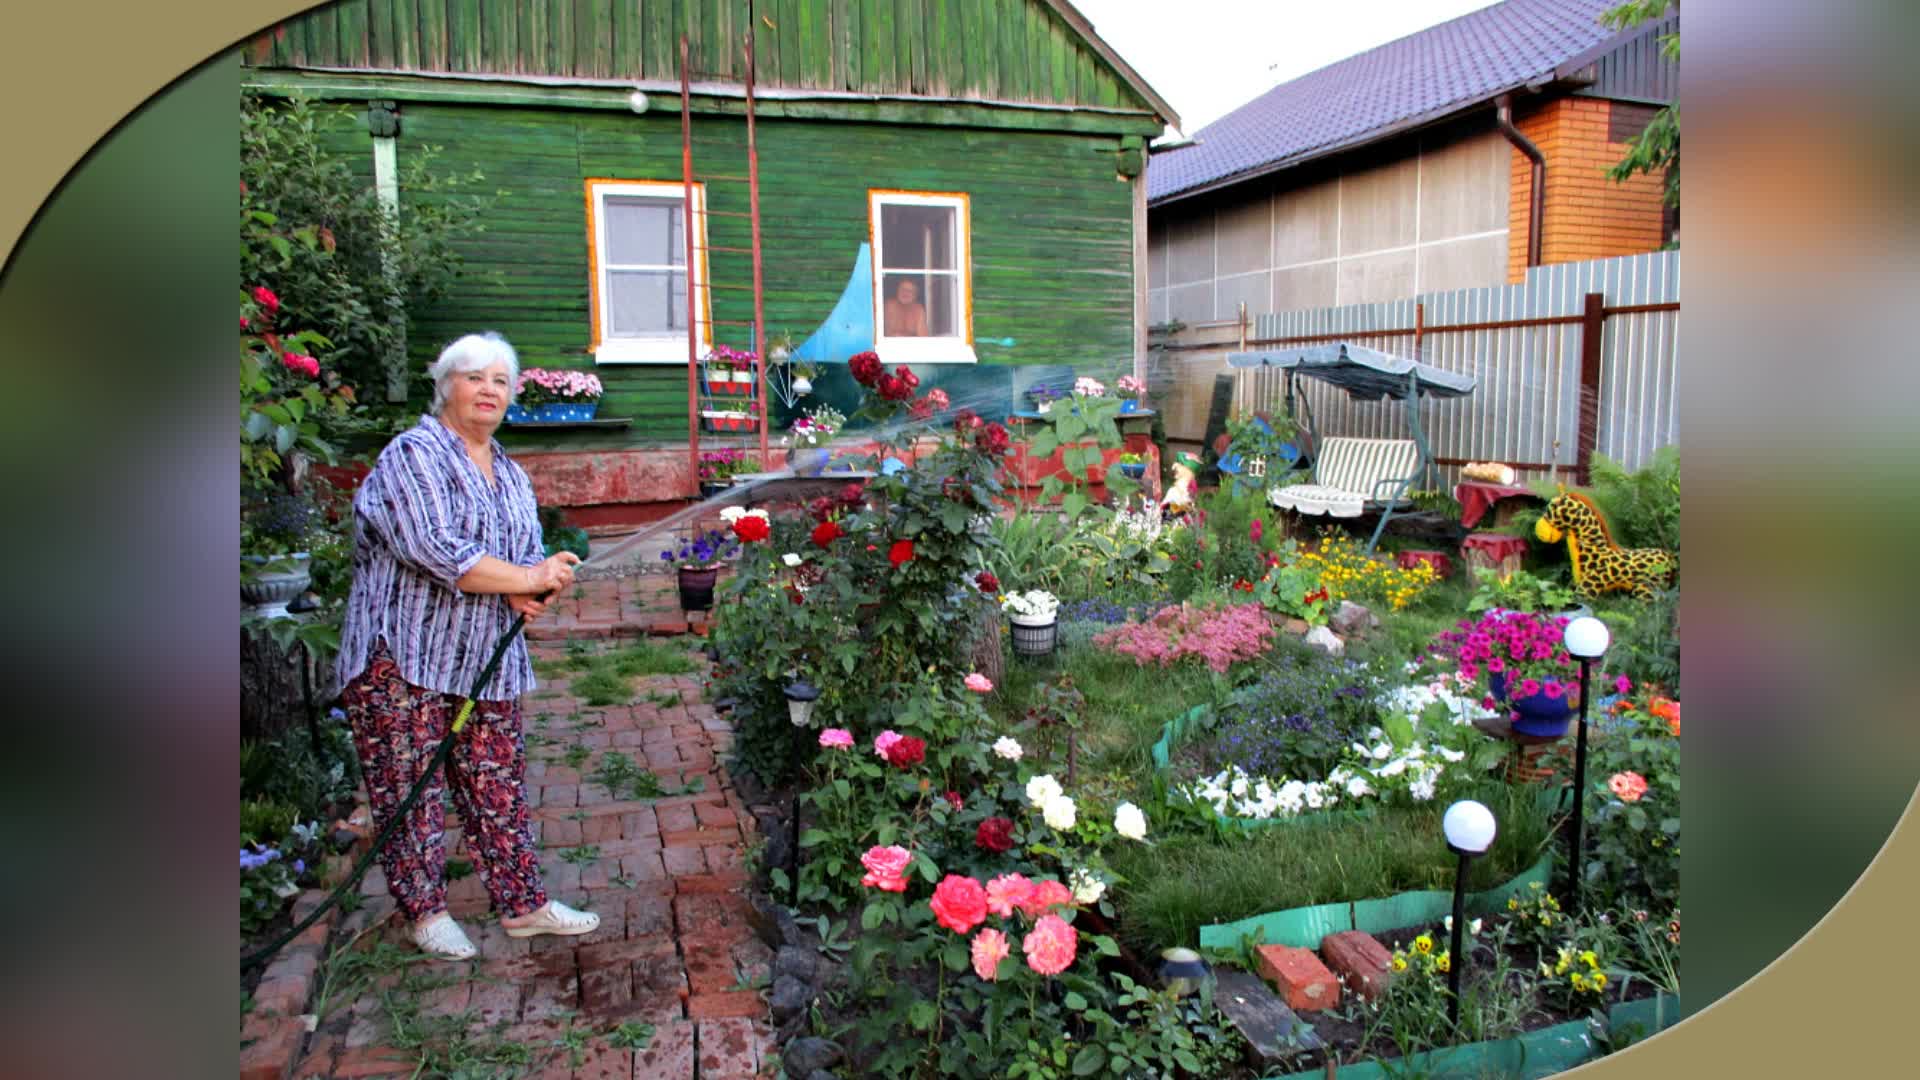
column 1592, row 318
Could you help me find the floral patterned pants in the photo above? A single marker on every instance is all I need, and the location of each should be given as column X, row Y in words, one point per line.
column 396, row 728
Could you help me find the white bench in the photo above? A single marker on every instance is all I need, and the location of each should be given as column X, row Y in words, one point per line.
column 1351, row 476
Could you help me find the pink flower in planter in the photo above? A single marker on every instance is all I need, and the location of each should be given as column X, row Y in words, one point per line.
column 959, row 903
column 1051, row 945
column 1554, row 691
column 989, row 948
column 1528, row 687
column 886, row 868
column 979, row 683
column 1006, row 893
column 836, row 739
column 884, row 741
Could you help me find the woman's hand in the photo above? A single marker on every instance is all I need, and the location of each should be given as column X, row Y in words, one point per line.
column 532, row 607
column 552, row 574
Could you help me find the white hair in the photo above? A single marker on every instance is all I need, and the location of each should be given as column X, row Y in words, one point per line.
column 473, row 353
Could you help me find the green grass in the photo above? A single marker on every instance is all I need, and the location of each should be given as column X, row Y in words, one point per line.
column 1182, row 883
column 1126, row 704
column 604, row 678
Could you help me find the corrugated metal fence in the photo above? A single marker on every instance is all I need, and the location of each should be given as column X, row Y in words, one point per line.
column 1526, row 345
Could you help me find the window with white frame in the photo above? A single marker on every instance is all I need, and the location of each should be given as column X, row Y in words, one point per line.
column 922, row 277
column 640, row 277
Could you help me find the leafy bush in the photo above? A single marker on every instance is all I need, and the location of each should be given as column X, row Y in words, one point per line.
column 1521, row 591
column 1643, row 506
column 1217, row 637
column 1646, row 640
column 1633, row 809
column 1296, row 721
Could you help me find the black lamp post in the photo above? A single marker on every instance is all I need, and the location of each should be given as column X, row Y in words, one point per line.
column 1470, row 830
column 1587, row 639
column 801, row 695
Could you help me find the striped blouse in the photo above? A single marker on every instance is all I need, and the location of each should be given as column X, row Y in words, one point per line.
column 422, row 518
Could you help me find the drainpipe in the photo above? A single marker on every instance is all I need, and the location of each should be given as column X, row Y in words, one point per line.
column 1537, row 203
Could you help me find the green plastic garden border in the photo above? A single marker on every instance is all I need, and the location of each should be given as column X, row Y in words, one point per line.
column 1305, row 926
column 1526, row 1057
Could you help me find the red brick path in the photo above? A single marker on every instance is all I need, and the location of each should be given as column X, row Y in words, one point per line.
column 674, row 948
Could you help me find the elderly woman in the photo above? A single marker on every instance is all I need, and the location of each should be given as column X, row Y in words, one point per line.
column 447, row 549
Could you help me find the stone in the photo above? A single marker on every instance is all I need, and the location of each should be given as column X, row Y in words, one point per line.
column 1325, row 640
column 1296, row 627
column 1301, row 980
column 796, row 961
column 1351, row 619
column 803, row 1057
column 790, row 997
column 1274, row 1031
column 1362, row 963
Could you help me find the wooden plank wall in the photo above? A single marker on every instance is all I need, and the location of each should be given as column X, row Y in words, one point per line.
column 999, row 50
column 1051, row 235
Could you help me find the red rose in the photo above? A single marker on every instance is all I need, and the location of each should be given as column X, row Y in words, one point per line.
column 820, row 508
column 243, row 322
column 995, row 834
column 752, row 529
column 959, row 903
column 907, row 379
column 265, row 298
column 954, row 800
column 826, row 533
column 901, row 551
column 907, row 752
column 994, row 439
column 921, row 409
column 888, row 388
column 967, row 421
column 852, row 495
column 866, row 367
column 987, row 582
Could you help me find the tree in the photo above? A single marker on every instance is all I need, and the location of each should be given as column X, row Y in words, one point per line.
column 1657, row 149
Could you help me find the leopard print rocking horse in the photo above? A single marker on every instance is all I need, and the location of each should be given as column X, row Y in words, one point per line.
column 1600, row 565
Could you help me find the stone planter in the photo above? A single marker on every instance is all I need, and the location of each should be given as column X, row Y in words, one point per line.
column 280, row 579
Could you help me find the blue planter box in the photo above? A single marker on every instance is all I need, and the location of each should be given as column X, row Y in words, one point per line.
column 552, row 412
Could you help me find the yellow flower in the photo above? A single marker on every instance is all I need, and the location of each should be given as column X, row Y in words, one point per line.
column 1513, row 904
column 1589, row 959
column 1579, row 981
column 1423, row 943
column 1444, row 962
column 1552, row 903
column 1399, row 962
column 1599, row 980
column 1546, row 919
column 1565, row 961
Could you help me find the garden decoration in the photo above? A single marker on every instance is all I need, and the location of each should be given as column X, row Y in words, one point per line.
column 1587, row 639
column 1470, row 829
column 1366, row 375
column 1599, row 565
column 1519, row 658
column 1176, row 505
column 801, row 696
column 1034, row 616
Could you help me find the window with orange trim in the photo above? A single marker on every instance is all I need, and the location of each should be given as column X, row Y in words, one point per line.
column 641, row 276
column 922, row 276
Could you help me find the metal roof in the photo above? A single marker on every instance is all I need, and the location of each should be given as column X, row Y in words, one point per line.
column 1366, row 374
column 1403, row 84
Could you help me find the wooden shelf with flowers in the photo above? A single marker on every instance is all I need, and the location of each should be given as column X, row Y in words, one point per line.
column 550, row 399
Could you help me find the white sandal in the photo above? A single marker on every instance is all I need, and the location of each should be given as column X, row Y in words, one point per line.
column 554, row 917
column 442, row 938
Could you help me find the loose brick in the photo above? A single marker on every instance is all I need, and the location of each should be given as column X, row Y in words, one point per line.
column 1362, row 962
column 1299, row 977
column 275, row 1042
column 712, row 916
column 744, row 1003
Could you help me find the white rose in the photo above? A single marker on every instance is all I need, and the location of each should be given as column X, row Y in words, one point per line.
column 790, row 559
column 761, row 514
column 1042, row 790
column 1358, row 787
column 1006, row 747
column 1129, row 822
column 732, row 514
column 1087, row 888
column 1059, row 812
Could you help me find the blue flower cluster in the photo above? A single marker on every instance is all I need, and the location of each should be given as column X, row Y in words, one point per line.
column 1095, row 610
column 701, row 549
column 1296, row 721
column 261, row 856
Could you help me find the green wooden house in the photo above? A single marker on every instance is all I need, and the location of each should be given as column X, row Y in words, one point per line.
column 987, row 154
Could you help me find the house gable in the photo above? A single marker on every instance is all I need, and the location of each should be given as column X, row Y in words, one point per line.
column 1014, row 52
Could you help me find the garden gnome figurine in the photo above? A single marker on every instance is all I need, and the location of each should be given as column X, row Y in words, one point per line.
column 1177, row 504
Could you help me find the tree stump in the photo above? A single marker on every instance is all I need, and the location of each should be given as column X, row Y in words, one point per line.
column 984, row 649
column 273, row 685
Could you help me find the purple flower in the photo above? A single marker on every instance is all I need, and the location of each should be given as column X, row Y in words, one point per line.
column 299, row 867
column 1555, row 691
column 1622, row 684
column 1496, row 665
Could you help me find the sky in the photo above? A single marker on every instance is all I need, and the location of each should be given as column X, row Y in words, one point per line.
column 1208, row 57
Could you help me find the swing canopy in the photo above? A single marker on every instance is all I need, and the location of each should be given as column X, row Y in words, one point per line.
column 1365, row 374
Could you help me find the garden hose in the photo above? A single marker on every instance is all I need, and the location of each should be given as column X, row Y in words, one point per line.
column 440, row 755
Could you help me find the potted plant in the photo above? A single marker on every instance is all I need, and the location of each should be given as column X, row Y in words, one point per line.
column 275, row 565
column 728, row 416
column 1043, row 396
column 717, row 469
column 1133, row 466
column 697, row 560
column 1522, row 591
column 807, row 440
column 1518, row 658
column 1034, row 617
column 719, row 377
column 551, row 396
column 1132, row 391
column 804, row 372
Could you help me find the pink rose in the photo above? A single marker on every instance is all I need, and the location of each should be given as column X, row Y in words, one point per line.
column 836, row 739
column 989, row 948
column 979, row 683
column 884, row 742
column 959, row 903
column 1628, row 785
column 1006, row 893
column 886, row 868
column 1051, row 945
column 1045, row 895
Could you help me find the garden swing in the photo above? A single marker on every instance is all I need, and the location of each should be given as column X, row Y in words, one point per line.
column 1353, row 475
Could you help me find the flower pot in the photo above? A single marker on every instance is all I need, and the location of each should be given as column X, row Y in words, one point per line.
column 719, row 385
column 1033, row 636
column 267, row 592
column 696, row 587
column 1539, row 715
column 710, row 488
column 560, row 411
column 802, row 385
column 1130, row 406
column 743, row 381
column 1133, row 471
column 809, row 460
column 519, row 414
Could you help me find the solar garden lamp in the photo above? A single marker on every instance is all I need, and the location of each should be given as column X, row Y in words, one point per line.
column 1182, row 971
column 801, row 696
column 1470, row 830
column 1587, row 639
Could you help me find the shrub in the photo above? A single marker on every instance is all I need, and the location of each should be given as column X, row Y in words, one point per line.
column 1218, row 637
column 1296, row 721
